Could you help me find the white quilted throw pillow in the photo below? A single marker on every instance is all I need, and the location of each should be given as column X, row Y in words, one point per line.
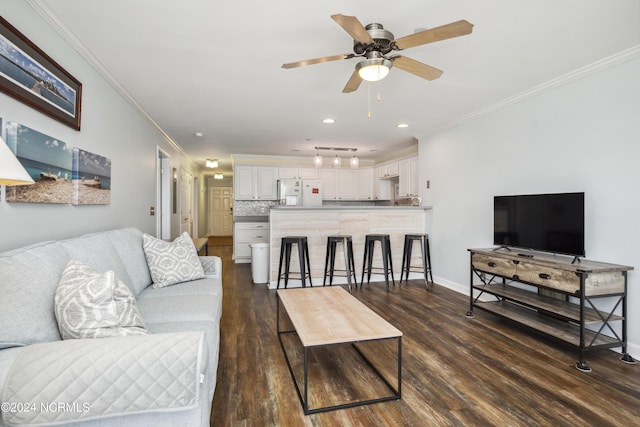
column 89, row 304
column 172, row 262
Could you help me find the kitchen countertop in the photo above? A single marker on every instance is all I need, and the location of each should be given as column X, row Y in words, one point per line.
column 342, row 208
column 261, row 218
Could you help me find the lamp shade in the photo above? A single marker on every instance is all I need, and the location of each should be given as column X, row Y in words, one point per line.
column 373, row 69
column 337, row 161
column 11, row 170
column 317, row 161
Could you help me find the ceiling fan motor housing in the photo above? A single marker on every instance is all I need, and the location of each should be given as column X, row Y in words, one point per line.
column 383, row 40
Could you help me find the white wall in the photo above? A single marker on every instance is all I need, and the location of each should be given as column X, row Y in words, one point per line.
column 582, row 136
column 110, row 127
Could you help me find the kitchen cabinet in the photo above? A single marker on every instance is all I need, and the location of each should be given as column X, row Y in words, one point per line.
column 246, row 233
column 388, row 170
column 255, row 183
column 347, row 188
column 329, row 186
column 298, row 173
column 408, row 177
column 344, row 184
column 365, row 184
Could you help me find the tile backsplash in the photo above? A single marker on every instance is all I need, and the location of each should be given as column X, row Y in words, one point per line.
column 252, row 208
column 261, row 207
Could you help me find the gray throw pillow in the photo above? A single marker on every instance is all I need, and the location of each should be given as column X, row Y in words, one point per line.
column 172, row 262
column 89, row 304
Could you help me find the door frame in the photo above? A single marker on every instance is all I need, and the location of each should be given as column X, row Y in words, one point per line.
column 163, row 194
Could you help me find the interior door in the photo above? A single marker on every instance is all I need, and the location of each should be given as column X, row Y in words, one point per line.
column 220, row 211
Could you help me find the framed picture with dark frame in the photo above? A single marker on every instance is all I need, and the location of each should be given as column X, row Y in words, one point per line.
column 32, row 77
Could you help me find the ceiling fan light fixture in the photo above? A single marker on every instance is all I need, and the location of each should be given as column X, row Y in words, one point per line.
column 373, row 69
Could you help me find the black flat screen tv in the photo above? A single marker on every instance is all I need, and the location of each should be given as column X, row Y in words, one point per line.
column 541, row 222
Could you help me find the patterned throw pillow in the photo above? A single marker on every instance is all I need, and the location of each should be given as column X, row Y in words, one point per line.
column 89, row 304
column 172, row 262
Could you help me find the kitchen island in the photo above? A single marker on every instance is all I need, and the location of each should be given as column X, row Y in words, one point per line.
column 316, row 223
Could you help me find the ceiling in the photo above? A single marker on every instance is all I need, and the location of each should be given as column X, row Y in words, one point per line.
column 215, row 66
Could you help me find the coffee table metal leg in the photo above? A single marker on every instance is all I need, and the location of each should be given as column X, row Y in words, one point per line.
column 305, row 403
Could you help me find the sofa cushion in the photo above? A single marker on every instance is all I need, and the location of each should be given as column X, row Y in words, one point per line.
column 97, row 251
column 128, row 244
column 28, row 281
column 172, row 262
column 89, row 304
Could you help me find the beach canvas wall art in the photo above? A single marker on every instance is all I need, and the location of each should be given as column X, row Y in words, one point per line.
column 46, row 159
column 91, row 178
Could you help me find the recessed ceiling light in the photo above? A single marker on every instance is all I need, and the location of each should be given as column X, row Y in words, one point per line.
column 402, row 125
column 328, row 121
column 199, row 135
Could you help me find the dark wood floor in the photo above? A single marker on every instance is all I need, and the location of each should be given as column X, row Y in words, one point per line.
column 456, row 371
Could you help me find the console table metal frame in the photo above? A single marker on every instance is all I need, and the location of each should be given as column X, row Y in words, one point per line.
column 554, row 317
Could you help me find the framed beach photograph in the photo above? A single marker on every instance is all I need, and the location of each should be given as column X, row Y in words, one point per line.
column 46, row 159
column 91, row 178
column 32, row 77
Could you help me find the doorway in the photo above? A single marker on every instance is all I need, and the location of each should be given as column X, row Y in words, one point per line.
column 220, row 211
column 163, row 195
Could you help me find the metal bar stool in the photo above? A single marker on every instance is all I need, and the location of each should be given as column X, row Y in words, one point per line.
column 303, row 256
column 426, row 257
column 387, row 263
column 330, row 259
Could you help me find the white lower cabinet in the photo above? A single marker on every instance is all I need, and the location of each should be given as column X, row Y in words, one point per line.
column 246, row 233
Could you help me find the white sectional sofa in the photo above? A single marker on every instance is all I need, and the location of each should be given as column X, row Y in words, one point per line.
column 164, row 378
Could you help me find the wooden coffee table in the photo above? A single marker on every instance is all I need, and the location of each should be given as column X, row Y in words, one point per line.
column 329, row 316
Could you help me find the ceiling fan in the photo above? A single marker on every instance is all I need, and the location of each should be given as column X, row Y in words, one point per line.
column 376, row 45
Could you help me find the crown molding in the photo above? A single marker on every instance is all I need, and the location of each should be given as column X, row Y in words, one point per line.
column 588, row 70
column 76, row 44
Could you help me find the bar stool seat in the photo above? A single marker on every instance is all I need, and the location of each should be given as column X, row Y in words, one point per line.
column 423, row 239
column 303, row 256
column 387, row 263
column 330, row 260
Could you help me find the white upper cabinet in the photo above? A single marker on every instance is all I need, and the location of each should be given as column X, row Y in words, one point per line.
column 408, row 181
column 255, row 183
column 365, row 184
column 388, row 170
column 329, row 186
column 298, row 173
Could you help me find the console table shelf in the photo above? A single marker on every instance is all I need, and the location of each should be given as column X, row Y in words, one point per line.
column 553, row 306
column 545, row 304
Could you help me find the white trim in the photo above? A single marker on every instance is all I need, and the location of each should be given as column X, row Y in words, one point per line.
column 61, row 28
column 580, row 73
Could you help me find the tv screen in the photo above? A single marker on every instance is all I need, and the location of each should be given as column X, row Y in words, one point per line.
column 542, row 222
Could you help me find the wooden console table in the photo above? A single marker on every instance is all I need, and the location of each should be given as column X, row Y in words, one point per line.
column 561, row 300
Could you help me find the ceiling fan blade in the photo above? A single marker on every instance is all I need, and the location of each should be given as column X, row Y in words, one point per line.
column 455, row 29
column 416, row 68
column 316, row 60
column 353, row 84
column 352, row 26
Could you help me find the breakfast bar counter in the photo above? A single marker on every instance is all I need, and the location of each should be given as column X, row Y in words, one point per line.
column 316, row 223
